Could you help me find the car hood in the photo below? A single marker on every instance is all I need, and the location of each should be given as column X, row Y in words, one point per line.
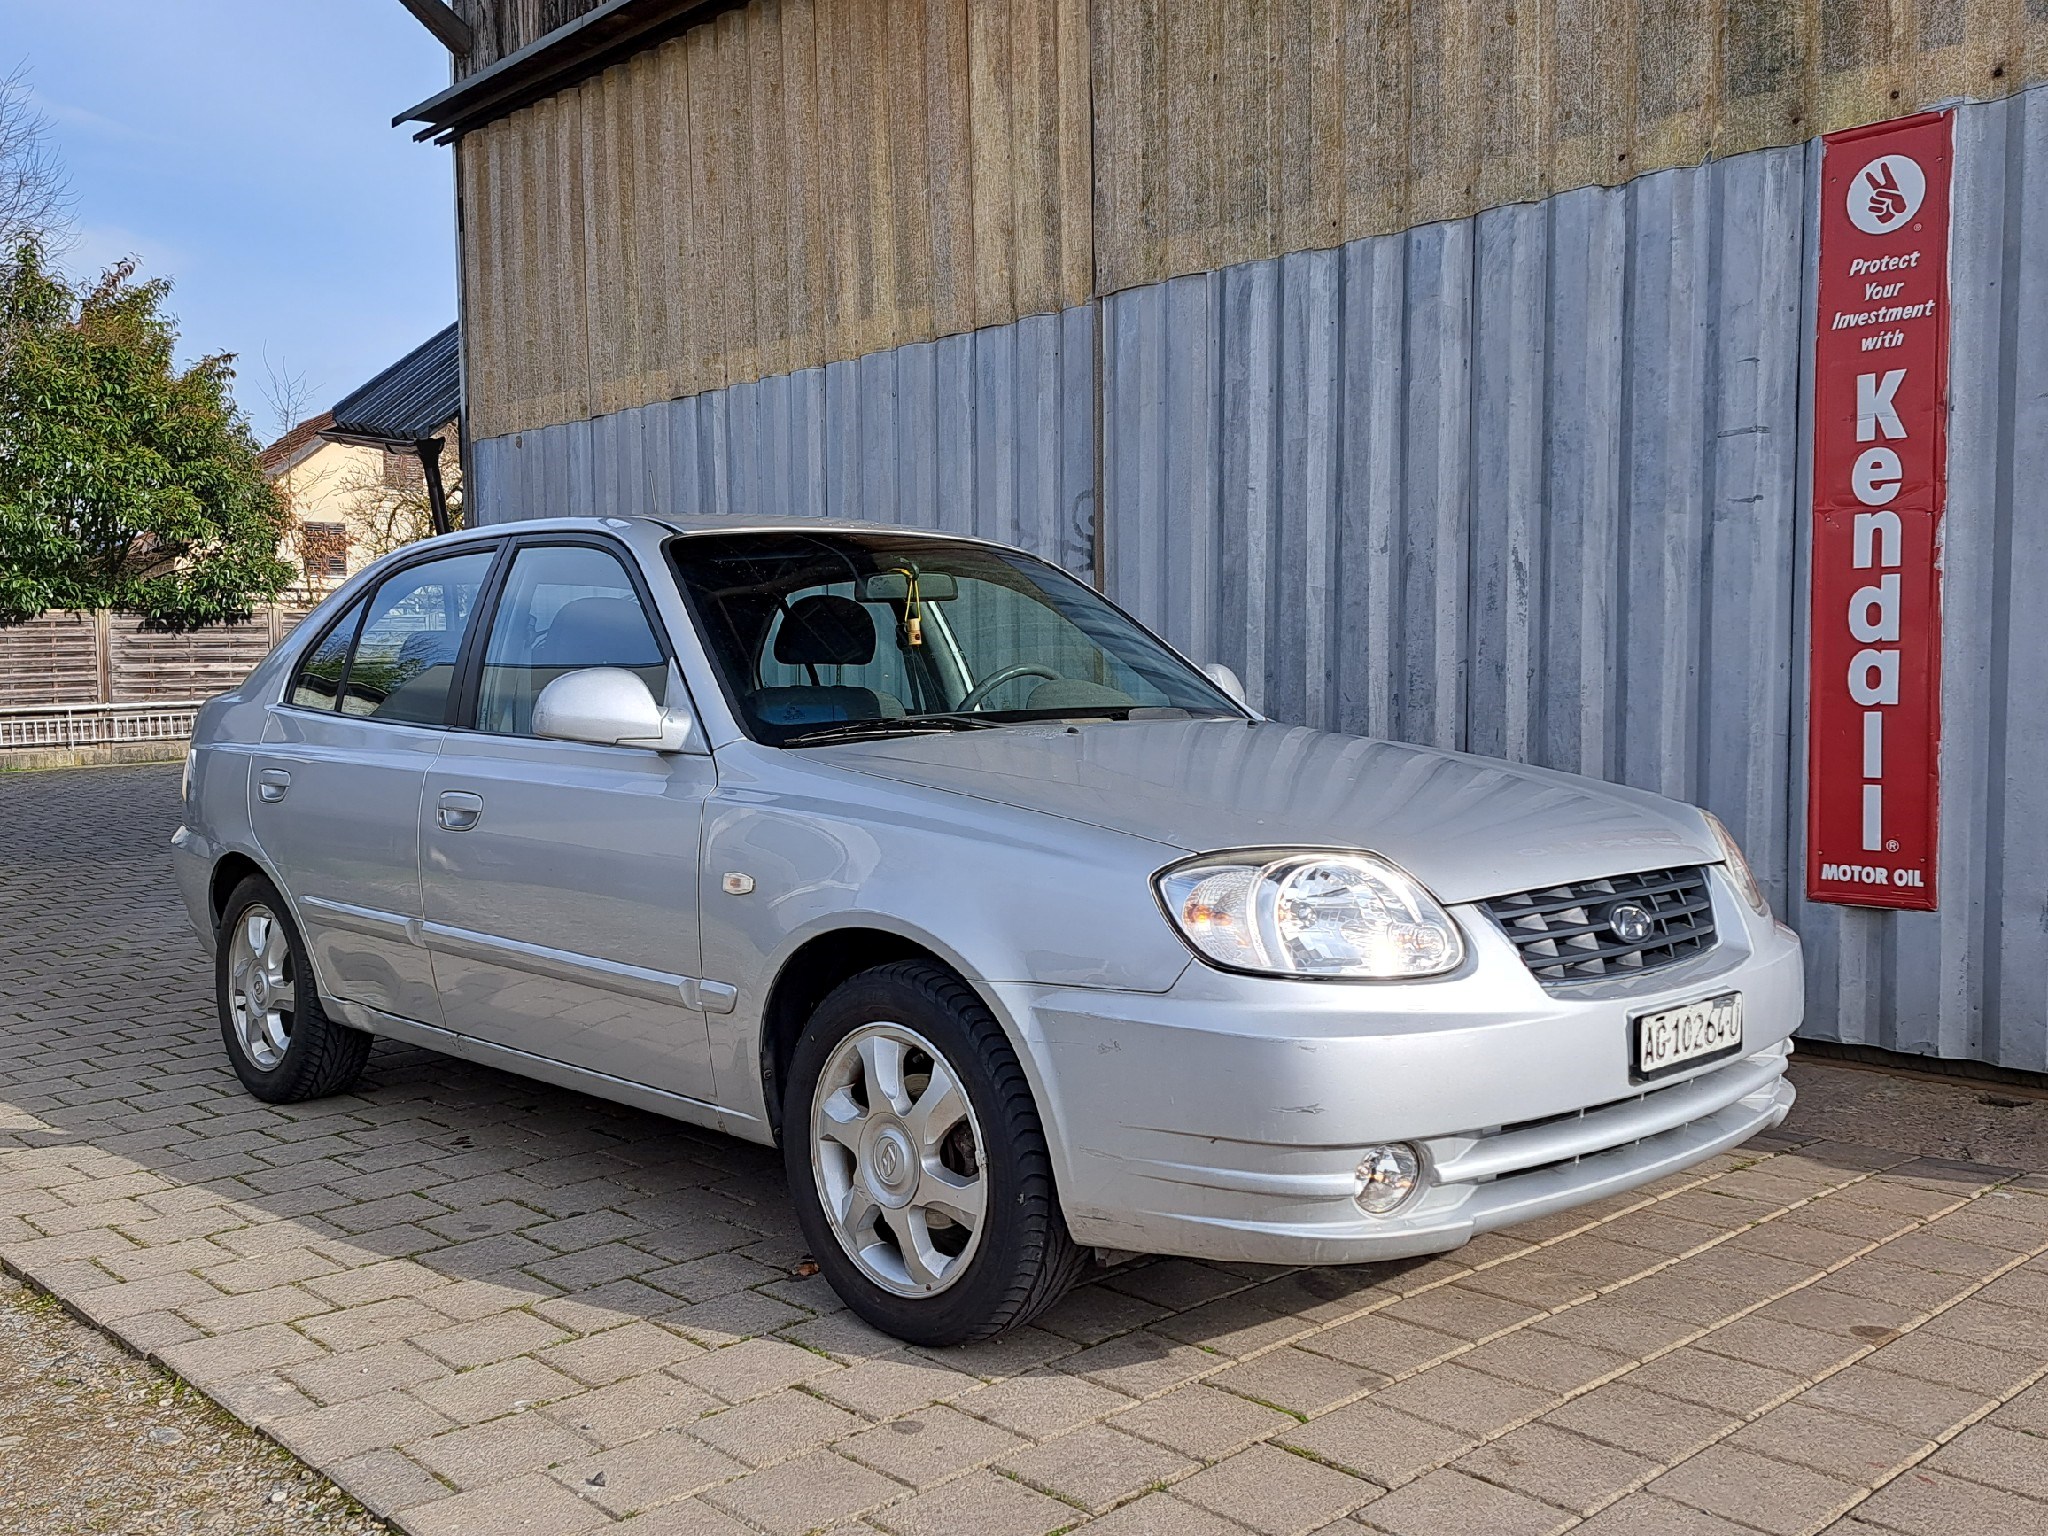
column 1467, row 827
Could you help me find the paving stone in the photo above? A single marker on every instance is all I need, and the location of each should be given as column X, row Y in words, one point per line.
column 1867, row 1390
column 878, row 1388
column 380, row 1322
column 1161, row 1514
column 981, row 1504
column 482, row 1454
column 387, row 1481
column 240, row 1354
column 1274, row 1493
column 532, row 1505
column 1375, row 1441
column 773, row 1428
column 688, row 1517
column 380, row 1368
column 1696, row 1375
column 1199, row 1421
column 1926, row 1503
column 1740, row 1485
column 646, row 1473
column 1557, row 1466
column 489, row 1391
column 1384, row 1344
column 617, row 1353
column 1296, row 1381
column 349, row 1428
column 924, row 1447
column 805, row 1494
column 1094, row 1466
column 2002, row 1457
column 501, row 1337
column 1827, row 1441
column 737, row 1372
column 626, row 1410
column 1624, row 1415
column 1449, row 1503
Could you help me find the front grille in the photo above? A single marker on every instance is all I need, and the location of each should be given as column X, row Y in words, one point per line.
column 1567, row 932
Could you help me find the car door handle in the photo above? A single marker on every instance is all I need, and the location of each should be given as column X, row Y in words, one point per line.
column 460, row 810
column 271, row 784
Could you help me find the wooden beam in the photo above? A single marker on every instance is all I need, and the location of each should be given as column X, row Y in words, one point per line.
column 438, row 18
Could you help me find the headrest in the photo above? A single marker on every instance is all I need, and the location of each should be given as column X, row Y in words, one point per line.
column 826, row 631
column 594, row 631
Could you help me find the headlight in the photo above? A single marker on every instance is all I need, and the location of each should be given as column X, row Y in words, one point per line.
column 1302, row 913
column 1738, row 867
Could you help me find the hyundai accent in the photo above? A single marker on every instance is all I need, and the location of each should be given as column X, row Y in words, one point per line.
column 1023, row 937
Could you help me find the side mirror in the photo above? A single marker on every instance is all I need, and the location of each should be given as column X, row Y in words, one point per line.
column 1225, row 679
column 607, row 707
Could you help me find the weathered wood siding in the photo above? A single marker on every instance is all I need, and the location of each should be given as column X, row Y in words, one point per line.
column 802, row 181
column 506, row 26
column 1230, row 130
column 798, row 181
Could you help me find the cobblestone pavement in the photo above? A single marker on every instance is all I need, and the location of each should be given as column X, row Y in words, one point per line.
column 481, row 1304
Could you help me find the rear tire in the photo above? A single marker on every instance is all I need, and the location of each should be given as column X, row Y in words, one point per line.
column 282, row 1044
column 918, row 1161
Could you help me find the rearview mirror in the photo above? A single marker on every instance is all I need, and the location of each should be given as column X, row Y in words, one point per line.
column 891, row 587
column 607, row 707
column 1225, row 679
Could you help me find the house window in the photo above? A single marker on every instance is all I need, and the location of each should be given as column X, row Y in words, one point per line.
column 326, row 549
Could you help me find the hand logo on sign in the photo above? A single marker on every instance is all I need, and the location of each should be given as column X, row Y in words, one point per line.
column 1886, row 193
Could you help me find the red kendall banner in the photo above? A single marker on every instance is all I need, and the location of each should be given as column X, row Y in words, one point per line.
column 1880, row 396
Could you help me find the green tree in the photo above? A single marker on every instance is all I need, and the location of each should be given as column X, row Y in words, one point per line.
column 124, row 483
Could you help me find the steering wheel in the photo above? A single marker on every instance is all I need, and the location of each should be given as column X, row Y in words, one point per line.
column 978, row 695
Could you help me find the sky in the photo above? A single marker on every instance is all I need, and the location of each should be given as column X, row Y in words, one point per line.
column 244, row 150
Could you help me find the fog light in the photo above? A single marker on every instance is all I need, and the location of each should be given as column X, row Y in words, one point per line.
column 1387, row 1178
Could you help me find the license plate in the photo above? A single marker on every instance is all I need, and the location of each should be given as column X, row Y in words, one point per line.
column 1674, row 1038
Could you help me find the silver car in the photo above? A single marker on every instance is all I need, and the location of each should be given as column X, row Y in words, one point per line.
column 1023, row 936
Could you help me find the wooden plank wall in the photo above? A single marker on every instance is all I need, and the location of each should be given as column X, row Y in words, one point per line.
column 1231, row 130
column 51, row 660
column 803, row 181
column 506, row 26
column 798, row 181
column 85, row 658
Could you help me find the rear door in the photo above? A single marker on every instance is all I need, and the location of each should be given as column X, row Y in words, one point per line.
column 561, row 878
column 334, row 791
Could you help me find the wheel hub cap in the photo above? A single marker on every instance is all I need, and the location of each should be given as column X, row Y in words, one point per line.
column 896, row 1153
column 262, row 995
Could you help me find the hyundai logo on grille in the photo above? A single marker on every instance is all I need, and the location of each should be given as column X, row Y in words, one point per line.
column 1630, row 923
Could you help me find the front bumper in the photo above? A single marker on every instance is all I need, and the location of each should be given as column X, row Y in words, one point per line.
column 1224, row 1118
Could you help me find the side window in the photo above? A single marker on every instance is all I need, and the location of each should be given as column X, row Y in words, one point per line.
column 565, row 607
column 404, row 663
column 318, row 683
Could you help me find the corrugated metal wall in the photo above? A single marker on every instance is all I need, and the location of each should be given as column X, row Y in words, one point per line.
column 797, row 182
column 1530, row 484
column 1534, row 484
column 991, row 433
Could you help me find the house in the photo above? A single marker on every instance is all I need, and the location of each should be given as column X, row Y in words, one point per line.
column 367, row 476
column 1454, row 371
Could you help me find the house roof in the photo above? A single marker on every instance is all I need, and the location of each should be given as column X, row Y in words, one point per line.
column 294, row 445
column 412, row 399
column 594, row 41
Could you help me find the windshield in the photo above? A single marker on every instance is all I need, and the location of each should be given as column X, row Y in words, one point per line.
column 814, row 632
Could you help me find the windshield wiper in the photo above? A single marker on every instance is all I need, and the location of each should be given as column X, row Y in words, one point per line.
column 890, row 725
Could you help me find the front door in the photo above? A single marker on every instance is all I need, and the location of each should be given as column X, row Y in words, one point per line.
column 334, row 792
column 560, row 879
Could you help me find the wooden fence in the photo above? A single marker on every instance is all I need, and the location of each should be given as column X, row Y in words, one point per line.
column 82, row 679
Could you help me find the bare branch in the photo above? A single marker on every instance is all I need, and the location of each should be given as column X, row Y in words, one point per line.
column 35, row 197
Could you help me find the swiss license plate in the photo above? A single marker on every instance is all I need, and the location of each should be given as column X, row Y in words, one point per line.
column 1674, row 1038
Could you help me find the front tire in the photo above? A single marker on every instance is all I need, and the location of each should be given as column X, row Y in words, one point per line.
column 918, row 1162
column 284, row 1047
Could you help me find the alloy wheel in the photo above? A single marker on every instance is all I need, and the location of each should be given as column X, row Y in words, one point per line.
column 262, row 992
column 896, row 1152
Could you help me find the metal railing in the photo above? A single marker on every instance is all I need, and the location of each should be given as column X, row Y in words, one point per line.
column 93, row 725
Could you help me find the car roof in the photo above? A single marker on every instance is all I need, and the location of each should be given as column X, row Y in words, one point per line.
column 729, row 523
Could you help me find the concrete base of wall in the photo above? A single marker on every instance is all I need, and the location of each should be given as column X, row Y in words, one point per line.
column 108, row 754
